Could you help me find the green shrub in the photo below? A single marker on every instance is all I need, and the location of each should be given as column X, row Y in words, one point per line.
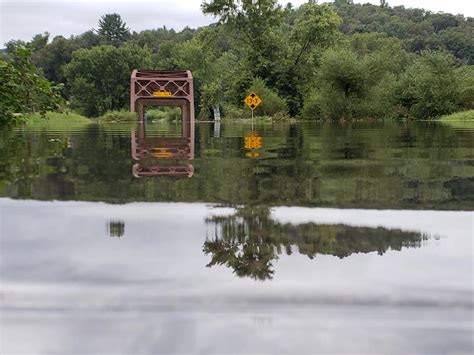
column 23, row 89
column 465, row 86
column 428, row 88
column 352, row 85
column 343, row 81
column 118, row 116
column 379, row 101
column 459, row 116
column 163, row 113
column 99, row 77
column 155, row 115
column 233, row 112
column 272, row 104
column 312, row 107
column 68, row 120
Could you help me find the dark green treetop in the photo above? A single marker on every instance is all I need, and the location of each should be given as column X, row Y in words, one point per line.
column 113, row 30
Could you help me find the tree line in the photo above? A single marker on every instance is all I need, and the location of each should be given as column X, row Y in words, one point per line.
column 317, row 61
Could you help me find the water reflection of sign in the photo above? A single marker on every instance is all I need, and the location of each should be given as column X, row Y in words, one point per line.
column 163, row 152
column 253, row 101
column 252, row 155
column 252, row 142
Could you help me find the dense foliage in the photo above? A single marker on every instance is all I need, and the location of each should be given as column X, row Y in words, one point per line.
column 23, row 89
column 418, row 29
column 328, row 61
column 99, row 77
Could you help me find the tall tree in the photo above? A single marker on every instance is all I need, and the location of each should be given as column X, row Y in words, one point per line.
column 113, row 30
column 253, row 24
column 22, row 88
column 429, row 88
column 99, row 77
column 39, row 42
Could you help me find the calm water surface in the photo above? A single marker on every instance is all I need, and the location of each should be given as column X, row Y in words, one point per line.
column 291, row 238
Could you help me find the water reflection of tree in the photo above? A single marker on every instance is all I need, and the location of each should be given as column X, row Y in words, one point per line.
column 249, row 241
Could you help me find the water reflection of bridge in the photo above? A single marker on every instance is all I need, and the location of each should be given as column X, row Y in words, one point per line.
column 149, row 150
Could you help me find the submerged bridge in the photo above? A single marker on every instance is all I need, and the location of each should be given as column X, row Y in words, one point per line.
column 158, row 88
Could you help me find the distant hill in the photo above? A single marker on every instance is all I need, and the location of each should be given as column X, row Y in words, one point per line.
column 419, row 29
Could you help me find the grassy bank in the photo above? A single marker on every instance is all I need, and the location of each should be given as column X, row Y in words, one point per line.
column 461, row 120
column 118, row 116
column 459, row 116
column 55, row 119
column 154, row 115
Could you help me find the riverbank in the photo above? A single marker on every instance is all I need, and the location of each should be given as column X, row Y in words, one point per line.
column 459, row 116
column 464, row 119
column 75, row 120
column 55, row 119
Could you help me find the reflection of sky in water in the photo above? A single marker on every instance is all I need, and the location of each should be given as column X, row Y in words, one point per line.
column 67, row 285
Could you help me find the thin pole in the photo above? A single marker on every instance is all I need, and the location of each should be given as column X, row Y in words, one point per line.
column 252, row 120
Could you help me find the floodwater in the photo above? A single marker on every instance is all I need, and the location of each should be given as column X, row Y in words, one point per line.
column 289, row 238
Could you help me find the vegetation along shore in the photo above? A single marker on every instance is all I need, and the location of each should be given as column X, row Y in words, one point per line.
column 315, row 62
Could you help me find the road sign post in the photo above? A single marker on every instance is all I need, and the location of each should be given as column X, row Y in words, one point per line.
column 253, row 101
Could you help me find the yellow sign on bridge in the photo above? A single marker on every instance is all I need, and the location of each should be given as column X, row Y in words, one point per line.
column 162, row 94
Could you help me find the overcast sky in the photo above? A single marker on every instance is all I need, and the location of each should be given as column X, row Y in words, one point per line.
column 23, row 19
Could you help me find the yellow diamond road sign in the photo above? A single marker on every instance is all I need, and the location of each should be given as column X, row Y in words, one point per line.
column 253, row 101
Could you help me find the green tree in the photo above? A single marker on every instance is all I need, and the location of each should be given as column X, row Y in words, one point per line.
column 12, row 46
column 428, row 88
column 277, row 45
column 358, row 80
column 113, row 30
column 23, row 89
column 88, row 39
column 314, row 28
column 456, row 40
column 417, row 28
column 465, row 86
column 344, row 80
column 253, row 25
column 272, row 104
column 39, row 42
column 99, row 77
column 54, row 56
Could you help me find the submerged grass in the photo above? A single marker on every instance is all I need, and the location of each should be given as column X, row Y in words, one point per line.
column 118, row 117
column 55, row 119
column 459, row 116
column 460, row 120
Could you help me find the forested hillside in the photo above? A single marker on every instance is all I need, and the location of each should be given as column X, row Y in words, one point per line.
column 328, row 61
